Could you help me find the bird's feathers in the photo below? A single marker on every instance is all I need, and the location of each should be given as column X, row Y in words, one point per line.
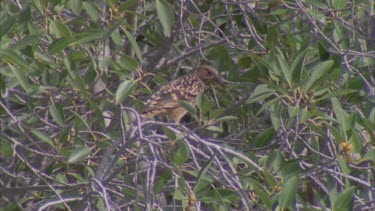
column 166, row 101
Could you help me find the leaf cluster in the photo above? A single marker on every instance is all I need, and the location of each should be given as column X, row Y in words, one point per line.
column 294, row 130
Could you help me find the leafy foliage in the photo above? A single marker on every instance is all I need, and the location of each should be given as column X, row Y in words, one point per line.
column 293, row 131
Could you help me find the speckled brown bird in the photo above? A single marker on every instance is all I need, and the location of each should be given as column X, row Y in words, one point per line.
column 166, row 100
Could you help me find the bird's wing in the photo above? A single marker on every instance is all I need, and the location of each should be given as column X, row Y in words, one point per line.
column 164, row 98
column 170, row 95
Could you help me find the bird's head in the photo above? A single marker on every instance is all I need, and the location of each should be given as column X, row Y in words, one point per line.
column 208, row 74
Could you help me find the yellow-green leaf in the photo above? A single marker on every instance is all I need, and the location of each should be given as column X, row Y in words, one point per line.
column 91, row 10
column 78, row 154
column 134, row 45
column 287, row 195
column 165, row 16
column 57, row 114
column 43, row 137
column 124, row 90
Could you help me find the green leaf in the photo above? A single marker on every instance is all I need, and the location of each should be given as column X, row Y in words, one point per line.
column 272, row 37
column 318, row 72
column 124, row 90
column 343, row 200
column 337, row 93
column 203, row 104
column 84, row 122
column 341, row 115
column 189, row 107
column 339, row 4
column 260, row 191
column 128, row 4
column 287, row 195
column 2, row 85
column 169, row 133
column 43, row 137
column 304, row 115
column 57, row 114
column 315, row 3
column 134, row 45
column 21, row 78
column 371, row 118
column 59, row 44
column 219, row 56
column 99, row 118
column 293, row 111
column 315, row 156
column 27, row 40
column 280, row 12
column 90, row 76
column 340, row 37
column 274, row 160
column 336, row 134
column 201, row 180
column 199, row 100
column 226, row 196
column 355, row 139
column 290, row 168
column 297, row 66
column 89, row 36
column 323, row 51
column 271, row 180
column 59, row 29
column 12, row 57
column 178, row 195
column 262, row 61
column 291, row 40
column 202, row 186
column 344, row 165
column 75, row 5
column 369, row 156
column 6, row 24
column 154, row 37
column 165, row 16
column 128, row 63
column 317, row 15
column 264, row 137
column 6, row 149
column 215, row 129
column 91, row 10
column 182, row 154
column 261, row 92
column 283, row 65
column 206, row 107
column 275, row 119
column 269, row 105
column 61, row 178
column 216, row 113
column 226, row 118
column 116, row 37
column 78, row 154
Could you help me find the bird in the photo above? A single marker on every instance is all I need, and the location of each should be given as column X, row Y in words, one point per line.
column 166, row 101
